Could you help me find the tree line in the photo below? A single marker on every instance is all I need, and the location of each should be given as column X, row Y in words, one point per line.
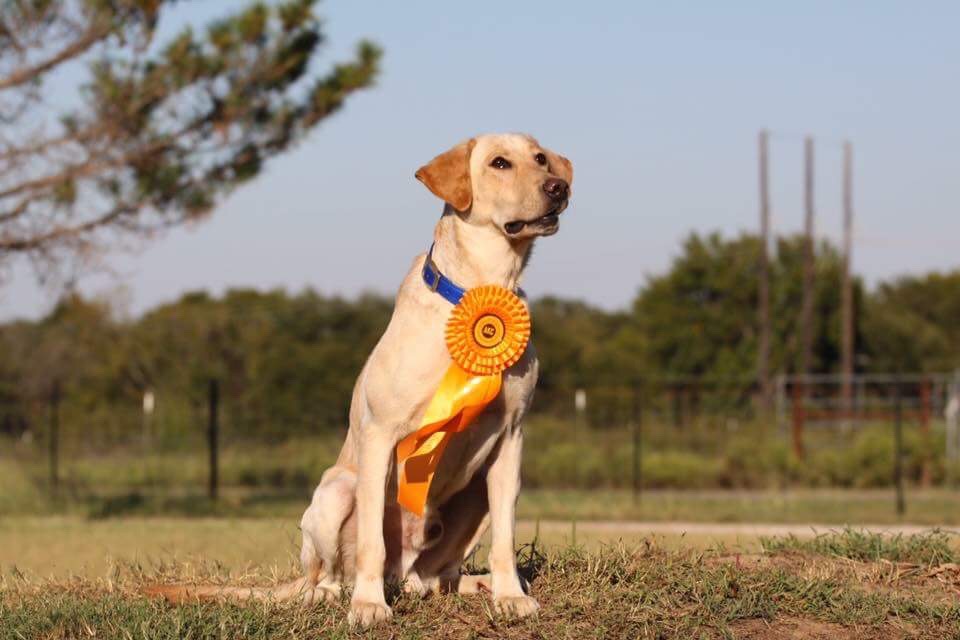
column 287, row 362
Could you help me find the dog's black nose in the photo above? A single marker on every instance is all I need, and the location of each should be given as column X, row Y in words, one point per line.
column 556, row 188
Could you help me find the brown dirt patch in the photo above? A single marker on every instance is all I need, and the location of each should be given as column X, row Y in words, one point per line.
column 802, row 629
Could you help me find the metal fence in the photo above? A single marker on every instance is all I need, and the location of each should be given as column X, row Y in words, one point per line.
column 678, row 433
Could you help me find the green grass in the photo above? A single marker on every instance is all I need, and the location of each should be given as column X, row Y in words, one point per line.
column 933, row 507
column 642, row 591
column 931, row 548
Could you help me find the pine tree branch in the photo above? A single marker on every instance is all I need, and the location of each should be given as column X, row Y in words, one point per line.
column 94, row 34
column 72, row 232
column 159, row 141
column 17, row 211
column 9, row 37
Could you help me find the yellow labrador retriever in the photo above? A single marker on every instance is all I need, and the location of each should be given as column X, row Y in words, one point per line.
column 501, row 192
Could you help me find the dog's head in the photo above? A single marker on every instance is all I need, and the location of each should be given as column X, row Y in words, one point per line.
column 508, row 181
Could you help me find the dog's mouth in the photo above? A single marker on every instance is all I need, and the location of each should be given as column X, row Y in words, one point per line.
column 545, row 225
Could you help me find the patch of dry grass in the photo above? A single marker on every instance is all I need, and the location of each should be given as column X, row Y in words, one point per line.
column 616, row 591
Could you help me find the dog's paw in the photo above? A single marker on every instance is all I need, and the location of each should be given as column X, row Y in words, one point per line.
column 516, row 606
column 364, row 614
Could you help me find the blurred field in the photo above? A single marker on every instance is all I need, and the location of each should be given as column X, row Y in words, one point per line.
column 748, row 474
column 67, row 545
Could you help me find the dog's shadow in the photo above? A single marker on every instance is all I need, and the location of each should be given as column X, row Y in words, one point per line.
column 531, row 561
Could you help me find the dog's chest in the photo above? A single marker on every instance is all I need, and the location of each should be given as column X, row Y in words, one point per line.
column 469, row 451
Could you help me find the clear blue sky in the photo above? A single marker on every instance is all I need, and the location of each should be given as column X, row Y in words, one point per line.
column 657, row 105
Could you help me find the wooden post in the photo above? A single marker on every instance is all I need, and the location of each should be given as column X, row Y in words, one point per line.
column 846, row 311
column 806, row 307
column 213, row 438
column 763, row 301
column 54, row 444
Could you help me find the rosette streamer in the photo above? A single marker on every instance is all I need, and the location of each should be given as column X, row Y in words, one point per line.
column 487, row 332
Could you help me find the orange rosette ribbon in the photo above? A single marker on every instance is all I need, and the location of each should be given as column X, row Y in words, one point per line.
column 487, row 332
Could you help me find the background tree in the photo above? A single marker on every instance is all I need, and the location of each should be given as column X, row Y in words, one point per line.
column 697, row 315
column 159, row 132
column 572, row 339
column 287, row 362
column 699, row 318
column 912, row 324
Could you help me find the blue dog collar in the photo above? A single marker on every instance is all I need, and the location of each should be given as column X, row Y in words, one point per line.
column 439, row 282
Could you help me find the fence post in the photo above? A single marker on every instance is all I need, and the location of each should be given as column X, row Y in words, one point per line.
column 926, row 473
column 54, row 445
column 898, row 447
column 952, row 415
column 637, row 426
column 579, row 407
column 798, row 418
column 149, row 403
column 213, row 440
column 780, row 405
column 675, row 393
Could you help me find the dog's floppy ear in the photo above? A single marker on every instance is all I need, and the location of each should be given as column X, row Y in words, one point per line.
column 560, row 166
column 448, row 176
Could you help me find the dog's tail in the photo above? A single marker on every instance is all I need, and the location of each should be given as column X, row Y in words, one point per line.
column 302, row 588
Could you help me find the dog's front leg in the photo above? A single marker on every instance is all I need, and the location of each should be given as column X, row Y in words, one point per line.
column 503, row 487
column 376, row 450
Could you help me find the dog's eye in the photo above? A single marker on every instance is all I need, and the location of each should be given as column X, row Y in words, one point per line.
column 540, row 158
column 500, row 163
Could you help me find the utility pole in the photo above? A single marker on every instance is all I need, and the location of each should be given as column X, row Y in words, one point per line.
column 847, row 345
column 763, row 304
column 806, row 309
